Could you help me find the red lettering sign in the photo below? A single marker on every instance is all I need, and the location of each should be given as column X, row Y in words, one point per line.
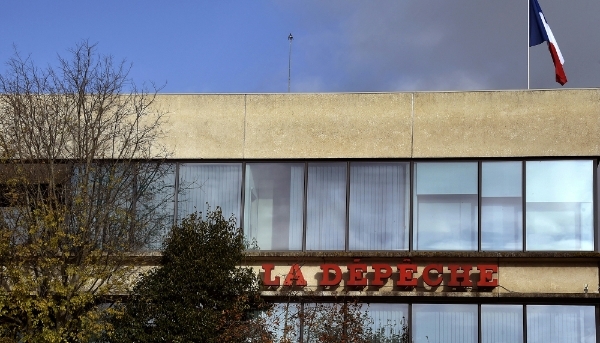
column 486, row 275
column 295, row 277
column 267, row 276
column 382, row 273
column 459, row 275
column 325, row 280
column 439, row 269
column 406, row 275
column 356, row 274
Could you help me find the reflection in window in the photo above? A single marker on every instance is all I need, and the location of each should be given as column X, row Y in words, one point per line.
column 273, row 205
column 444, row 323
column 559, row 206
column 388, row 322
column 210, row 184
column 560, row 324
column 326, row 206
column 445, row 206
column 501, row 323
column 364, row 322
column 156, row 205
column 379, row 194
column 501, row 206
column 283, row 322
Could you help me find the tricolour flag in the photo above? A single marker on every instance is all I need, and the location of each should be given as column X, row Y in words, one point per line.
column 540, row 32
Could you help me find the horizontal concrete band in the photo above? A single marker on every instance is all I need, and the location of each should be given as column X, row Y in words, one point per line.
column 512, row 277
column 383, row 125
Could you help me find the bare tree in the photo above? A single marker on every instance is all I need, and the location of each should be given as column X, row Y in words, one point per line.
column 81, row 190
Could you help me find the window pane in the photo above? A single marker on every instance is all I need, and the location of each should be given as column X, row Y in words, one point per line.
column 326, row 206
column 210, row 184
column 559, row 198
column 379, row 195
column 561, row 324
column 273, row 205
column 445, row 206
column 444, row 323
column 501, row 206
column 156, row 206
column 501, row 323
column 283, row 322
column 388, row 322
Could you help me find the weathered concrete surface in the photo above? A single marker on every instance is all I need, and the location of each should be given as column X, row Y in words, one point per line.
column 507, row 124
column 328, row 126
column 383, row 125
column 203, row 126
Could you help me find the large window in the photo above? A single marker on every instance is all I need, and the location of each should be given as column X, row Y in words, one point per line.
column 492, row 205
column 501, row 206
column 444, row 323
column 326, row 206
column 559, row 205
column 445, row 206
column 379, row 194
column 439, row 323
column 274, row 195
column 208, row 185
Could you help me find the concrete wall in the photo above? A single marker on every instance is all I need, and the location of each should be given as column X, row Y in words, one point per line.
column 383, row 125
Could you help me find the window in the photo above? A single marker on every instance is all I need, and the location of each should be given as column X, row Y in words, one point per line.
column 379, row 198
column 210, row 184
column 501, row 323
column 559, row 205
column 389, row 205
column 444, row 323
column 561, row 324
column 501, row 206
column 445, row 206
column 326, row 206
column 273, row 209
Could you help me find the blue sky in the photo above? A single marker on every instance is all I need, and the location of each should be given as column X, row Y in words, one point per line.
column 340, row 46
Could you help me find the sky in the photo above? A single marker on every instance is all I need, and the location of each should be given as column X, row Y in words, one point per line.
column 241, row 46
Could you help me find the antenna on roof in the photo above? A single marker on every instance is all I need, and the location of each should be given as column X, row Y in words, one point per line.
column 290, row 38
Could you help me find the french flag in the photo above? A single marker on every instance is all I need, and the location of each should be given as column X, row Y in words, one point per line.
column 540, row 32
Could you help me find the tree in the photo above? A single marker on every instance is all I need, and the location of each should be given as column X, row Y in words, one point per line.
column 80, row 183
column 199, row 293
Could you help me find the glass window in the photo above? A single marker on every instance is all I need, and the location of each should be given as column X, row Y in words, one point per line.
column 363, row 322
column 283, row 322
column 559, row 206
column 379, row 202
column 210, row 184
column 273, row 206
column 501, row 206
column 501, row 323
column 445, row 206
column 388, row 322
column 156, row 205
column 448, row 323
column 326, row 206
column 561, row 324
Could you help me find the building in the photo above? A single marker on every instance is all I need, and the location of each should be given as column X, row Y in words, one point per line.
column 472, row 216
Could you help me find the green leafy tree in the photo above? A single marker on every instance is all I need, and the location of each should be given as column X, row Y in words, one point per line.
column 79, row 188
column 199, row 293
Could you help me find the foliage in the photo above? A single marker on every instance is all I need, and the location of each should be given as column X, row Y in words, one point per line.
column 199, row 293
column 78, row 181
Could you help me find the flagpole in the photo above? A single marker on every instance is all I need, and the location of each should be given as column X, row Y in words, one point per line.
column 528, row 38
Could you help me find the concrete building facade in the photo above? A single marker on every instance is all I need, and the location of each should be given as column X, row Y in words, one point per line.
column 471, row 216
